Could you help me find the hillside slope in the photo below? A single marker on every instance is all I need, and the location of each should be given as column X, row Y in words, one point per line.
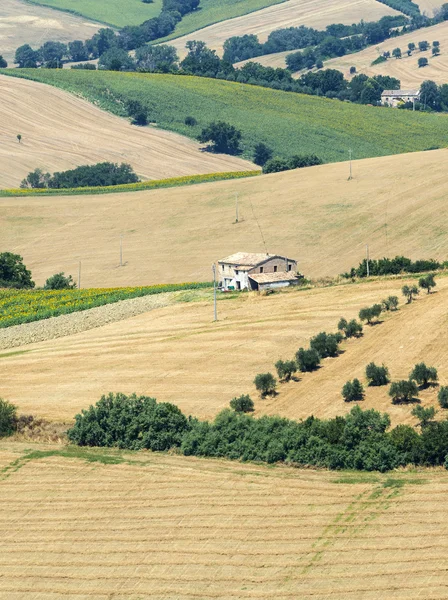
column 289, row 123
column 24, row 23
column 60, row 131
column 395, row 204
column 178, row 354
column 312, row 13
column 165, row 527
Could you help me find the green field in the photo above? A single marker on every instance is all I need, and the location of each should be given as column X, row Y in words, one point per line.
column 289, row 123
column 113, row 12
column 215, row 11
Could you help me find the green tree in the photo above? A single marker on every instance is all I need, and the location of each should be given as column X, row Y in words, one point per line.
column 19, row 137
column 138, row 112
column 369, row 313
column 403, row 391
column 3, row 63
column 442, row 396
column 307, row 360
column 265, row 383
column 435, row 51
column 430, row 94
column 262, row 154
column 242, row 404
column 422, row 62
column 411, row 46
column 285, row 369
column 77, row 51
column 390, row 303
column 396, row 52
column 377, row 375
column 424, row 415
column 409, row 292
column 423, row 46
column 37, row 179
column 13, row 273
column 225, row 138
column 161, row 58
column 116, row 59
column 326, row 344
column 352, row 390
column 53, row 53
column 60, row 281
column 423, row 375
column 8, row 417
column 354, row 329
column 427, row 283
column 26, row 57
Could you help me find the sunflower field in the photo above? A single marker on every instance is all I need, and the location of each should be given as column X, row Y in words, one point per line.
column 24, row 306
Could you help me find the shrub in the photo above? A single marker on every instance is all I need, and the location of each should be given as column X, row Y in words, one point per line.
column 390, row 303
column 190, row 121
column 285, row 369
column 132, row 422
column 326, row 344
column 403, row 391
column 423, row 374
column 60, row 281
column 8, row 417
column 409, row 292
column 377, row 375
column 242, row 404
column 427, row 283
column 265, row 383
column 137, row 112
column 424, row 415
column 352, row 390
column 307, row 360
column 262, row 154
column 442, row 396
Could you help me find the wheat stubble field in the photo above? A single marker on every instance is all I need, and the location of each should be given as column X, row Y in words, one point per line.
column 60, row 131
column 174, row 528
column 292, row 13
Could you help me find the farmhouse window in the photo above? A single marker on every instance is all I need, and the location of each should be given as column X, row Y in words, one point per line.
column 261, row 269
column 289, row 267
column 275, row 268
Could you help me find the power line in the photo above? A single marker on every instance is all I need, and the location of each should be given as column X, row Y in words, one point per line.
column 256, row 221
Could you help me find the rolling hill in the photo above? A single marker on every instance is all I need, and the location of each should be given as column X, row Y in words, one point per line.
column 25, row 23
column 60, row 131
column 395, row 204
column 312, row 13
column 160, row 526
column 289, row 123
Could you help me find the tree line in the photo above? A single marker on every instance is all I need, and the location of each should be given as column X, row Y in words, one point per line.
column 392, row 266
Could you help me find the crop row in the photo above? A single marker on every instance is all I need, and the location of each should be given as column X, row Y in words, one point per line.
column 25, row 306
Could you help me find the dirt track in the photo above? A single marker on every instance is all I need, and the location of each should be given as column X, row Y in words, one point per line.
column 60, row 131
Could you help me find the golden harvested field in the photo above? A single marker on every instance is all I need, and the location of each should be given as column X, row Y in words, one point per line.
column 405, row 69
column 165, row 527
column 24, row 23
column 178, row 354
column 60, row 131
column 312, row 13
column 429, row 7
column 396, row 204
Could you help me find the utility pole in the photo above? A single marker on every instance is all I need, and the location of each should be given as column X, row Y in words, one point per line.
column 214, row 292
column 79, row 275
column 236, row 206
column 367, row 260
column 121, row 250
column 350, row 159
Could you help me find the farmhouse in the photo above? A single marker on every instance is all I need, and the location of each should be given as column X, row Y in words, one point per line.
column 396, row 97
column 246, row 271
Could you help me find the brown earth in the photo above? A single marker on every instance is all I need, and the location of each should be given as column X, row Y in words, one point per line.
column 312, row 13
column 60, row 131
column 24, row 23
column 168, row 527
column 396, row 204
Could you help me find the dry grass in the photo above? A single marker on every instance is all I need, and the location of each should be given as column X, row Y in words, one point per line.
column 405, row 69
column 312, row 13
column 166, row 527
column 60, row 131
column 314, row 215
column 178, row 354
column 429, row 7
column 23, row 23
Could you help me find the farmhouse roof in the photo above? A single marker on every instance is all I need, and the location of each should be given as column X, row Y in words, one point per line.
column 246, row 258
column 273, row 277
column 399, row 93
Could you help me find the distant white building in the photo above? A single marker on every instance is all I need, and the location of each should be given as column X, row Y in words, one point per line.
column 396, row 97
column 252, row 271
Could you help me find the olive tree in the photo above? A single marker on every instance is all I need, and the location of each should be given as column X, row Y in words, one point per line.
column 286, row 369
column 403, row 391
column 409, row 292
column 352, row 390
column 307, row 360
column 423, row 375
column 377, row 375
column 242, row 404
column 427, row 282
column 265, row 383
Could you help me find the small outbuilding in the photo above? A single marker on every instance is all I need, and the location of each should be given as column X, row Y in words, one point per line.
column 257, row 271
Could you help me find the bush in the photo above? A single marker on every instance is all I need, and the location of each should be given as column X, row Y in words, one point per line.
column 427, row 283
column 132, row 422
column 265, row 383
column 13, row 273
column 326, row 344
column 353, row 390
column 377, row 375
column 370, row 313
column 262, row 154
column 276, row 165
column 8, row 418
column 60, row 281
column 307, row 360
column 242, row 404
column 137, row 112
column 442, row 396
column 190, row 121
column 285, row 369
column 390, row 303
column 423, row 375
column 422, row 62
column 403, row 391
column 424, row 415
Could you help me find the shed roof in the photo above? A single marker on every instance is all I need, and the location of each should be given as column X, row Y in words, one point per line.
column 273, row 277
column 399, row 93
